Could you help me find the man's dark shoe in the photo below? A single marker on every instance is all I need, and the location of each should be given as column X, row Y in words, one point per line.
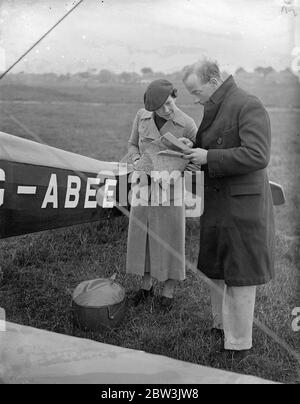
column 216, row 334
column 142, row 296
column 229, row 356
column 166, row 304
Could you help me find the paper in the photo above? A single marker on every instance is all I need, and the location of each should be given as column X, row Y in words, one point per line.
column 170, row 153
column 175, row 142
column 163, row 154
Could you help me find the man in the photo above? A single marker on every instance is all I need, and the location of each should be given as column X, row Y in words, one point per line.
column 237, row 228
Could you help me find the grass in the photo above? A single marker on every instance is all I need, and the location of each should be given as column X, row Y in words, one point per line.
column 40, row 271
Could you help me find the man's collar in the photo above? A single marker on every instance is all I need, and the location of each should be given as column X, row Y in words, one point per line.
column 177, row 119
column 219, row 95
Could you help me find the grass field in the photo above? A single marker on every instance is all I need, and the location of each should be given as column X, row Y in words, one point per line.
column 40, row 271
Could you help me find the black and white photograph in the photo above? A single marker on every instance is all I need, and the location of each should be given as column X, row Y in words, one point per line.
column 149, row 195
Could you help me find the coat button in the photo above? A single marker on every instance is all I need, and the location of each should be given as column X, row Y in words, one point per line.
column 219, row 141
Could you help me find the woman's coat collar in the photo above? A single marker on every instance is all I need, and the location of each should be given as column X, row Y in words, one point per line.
column 177, row 119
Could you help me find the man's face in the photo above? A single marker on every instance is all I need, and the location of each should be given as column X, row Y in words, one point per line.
column 167, row 110
column 200, row 91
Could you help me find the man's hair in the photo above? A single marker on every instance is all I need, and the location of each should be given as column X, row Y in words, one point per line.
column 205, row 70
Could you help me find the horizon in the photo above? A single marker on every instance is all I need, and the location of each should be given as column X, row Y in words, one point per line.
column 94, row 72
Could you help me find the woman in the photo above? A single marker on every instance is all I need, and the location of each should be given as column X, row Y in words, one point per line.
column 149, row 256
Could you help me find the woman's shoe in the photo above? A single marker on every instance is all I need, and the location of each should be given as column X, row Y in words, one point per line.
column 166, row 304
column 142, row 296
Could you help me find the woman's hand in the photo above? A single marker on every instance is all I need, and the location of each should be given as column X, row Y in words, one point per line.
column 197, row 156
column 186, row 141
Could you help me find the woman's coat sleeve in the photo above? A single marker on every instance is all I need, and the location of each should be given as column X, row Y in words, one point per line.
column 133, row 143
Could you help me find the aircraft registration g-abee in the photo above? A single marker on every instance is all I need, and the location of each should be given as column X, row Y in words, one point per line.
column 43, row 188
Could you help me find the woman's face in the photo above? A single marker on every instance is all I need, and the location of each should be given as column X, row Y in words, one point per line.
column 167, row 111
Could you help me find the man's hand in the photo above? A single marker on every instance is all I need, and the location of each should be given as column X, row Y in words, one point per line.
column 186, row 141
column 197, row 156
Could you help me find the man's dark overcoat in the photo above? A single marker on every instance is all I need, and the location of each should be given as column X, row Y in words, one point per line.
column 237, row 227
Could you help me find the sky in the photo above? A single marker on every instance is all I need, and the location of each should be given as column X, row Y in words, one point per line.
column 166, row 35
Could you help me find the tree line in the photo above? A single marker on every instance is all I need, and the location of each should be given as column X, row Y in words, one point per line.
column 147, row 74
